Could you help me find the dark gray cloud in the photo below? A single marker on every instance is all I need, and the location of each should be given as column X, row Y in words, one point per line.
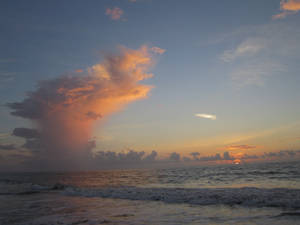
column 7, row 147
column 151, row 157
column 131, row 156
column 227, row 156
column 26, row 133
column 130, row 159
column 216, row 157
column 195, row 155
column 37, row 103
column 34, row 145
column 93, row 115
column 211, row 158
column 246, row 156
column 174, row 157
column 188, row 159
column 280, row 154
column 112, row 159
column 31, row 136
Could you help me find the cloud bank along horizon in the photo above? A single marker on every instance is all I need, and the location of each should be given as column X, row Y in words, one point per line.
column 64, row 109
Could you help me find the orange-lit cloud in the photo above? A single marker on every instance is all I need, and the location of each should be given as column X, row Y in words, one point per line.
column 114, row 13
column 206, row 116
column 240, row 147
column 65, row 108
column 288, row 7
column 291, row 5
column 79, row 71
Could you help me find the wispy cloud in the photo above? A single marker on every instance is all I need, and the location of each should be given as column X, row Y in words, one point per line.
column 247, row 48
column 158, row 50
column 255, row 73
column 240, row 147
column 7, row 76
column 288, row 7
column 115, row 13
column 206, row 116
column 263, row 51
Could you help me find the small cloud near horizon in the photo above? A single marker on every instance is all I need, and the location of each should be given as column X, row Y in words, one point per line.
column 79, row 71
column 114, row 13
column 240, row 147
column 206, row 116
column 288, row 7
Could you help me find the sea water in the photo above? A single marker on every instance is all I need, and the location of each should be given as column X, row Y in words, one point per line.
column 261, row 193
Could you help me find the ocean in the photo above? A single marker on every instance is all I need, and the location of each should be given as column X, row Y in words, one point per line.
column 257, row 193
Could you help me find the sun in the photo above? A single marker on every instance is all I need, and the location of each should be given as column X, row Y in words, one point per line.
column 237, row 161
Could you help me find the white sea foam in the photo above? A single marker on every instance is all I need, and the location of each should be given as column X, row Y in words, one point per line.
column 248, row 196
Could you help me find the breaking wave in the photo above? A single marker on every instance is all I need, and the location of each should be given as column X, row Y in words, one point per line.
column 16, row 187
column 247, row 196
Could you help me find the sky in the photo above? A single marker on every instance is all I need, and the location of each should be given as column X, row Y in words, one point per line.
column 148, row 80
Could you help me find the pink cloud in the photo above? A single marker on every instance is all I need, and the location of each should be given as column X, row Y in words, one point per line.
column 114, row 13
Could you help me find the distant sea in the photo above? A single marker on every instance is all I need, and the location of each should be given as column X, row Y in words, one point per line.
column 262, row 193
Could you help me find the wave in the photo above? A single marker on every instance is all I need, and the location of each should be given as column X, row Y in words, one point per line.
column 16, row 187
column 247, row 196
column 294, row 214
column 11, row 181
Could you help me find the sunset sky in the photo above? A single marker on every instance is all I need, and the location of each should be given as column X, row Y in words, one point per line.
column 210, row 76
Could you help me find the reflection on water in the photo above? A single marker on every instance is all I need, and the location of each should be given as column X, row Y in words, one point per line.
column 265, row 175
column 205, row 195
column 56, row 209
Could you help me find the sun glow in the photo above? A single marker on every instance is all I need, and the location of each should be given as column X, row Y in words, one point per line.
column 237, row 161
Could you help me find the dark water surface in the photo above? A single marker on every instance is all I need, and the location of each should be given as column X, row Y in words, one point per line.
column 266, row 193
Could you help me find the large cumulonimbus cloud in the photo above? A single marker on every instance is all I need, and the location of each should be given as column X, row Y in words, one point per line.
column 64, row 109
